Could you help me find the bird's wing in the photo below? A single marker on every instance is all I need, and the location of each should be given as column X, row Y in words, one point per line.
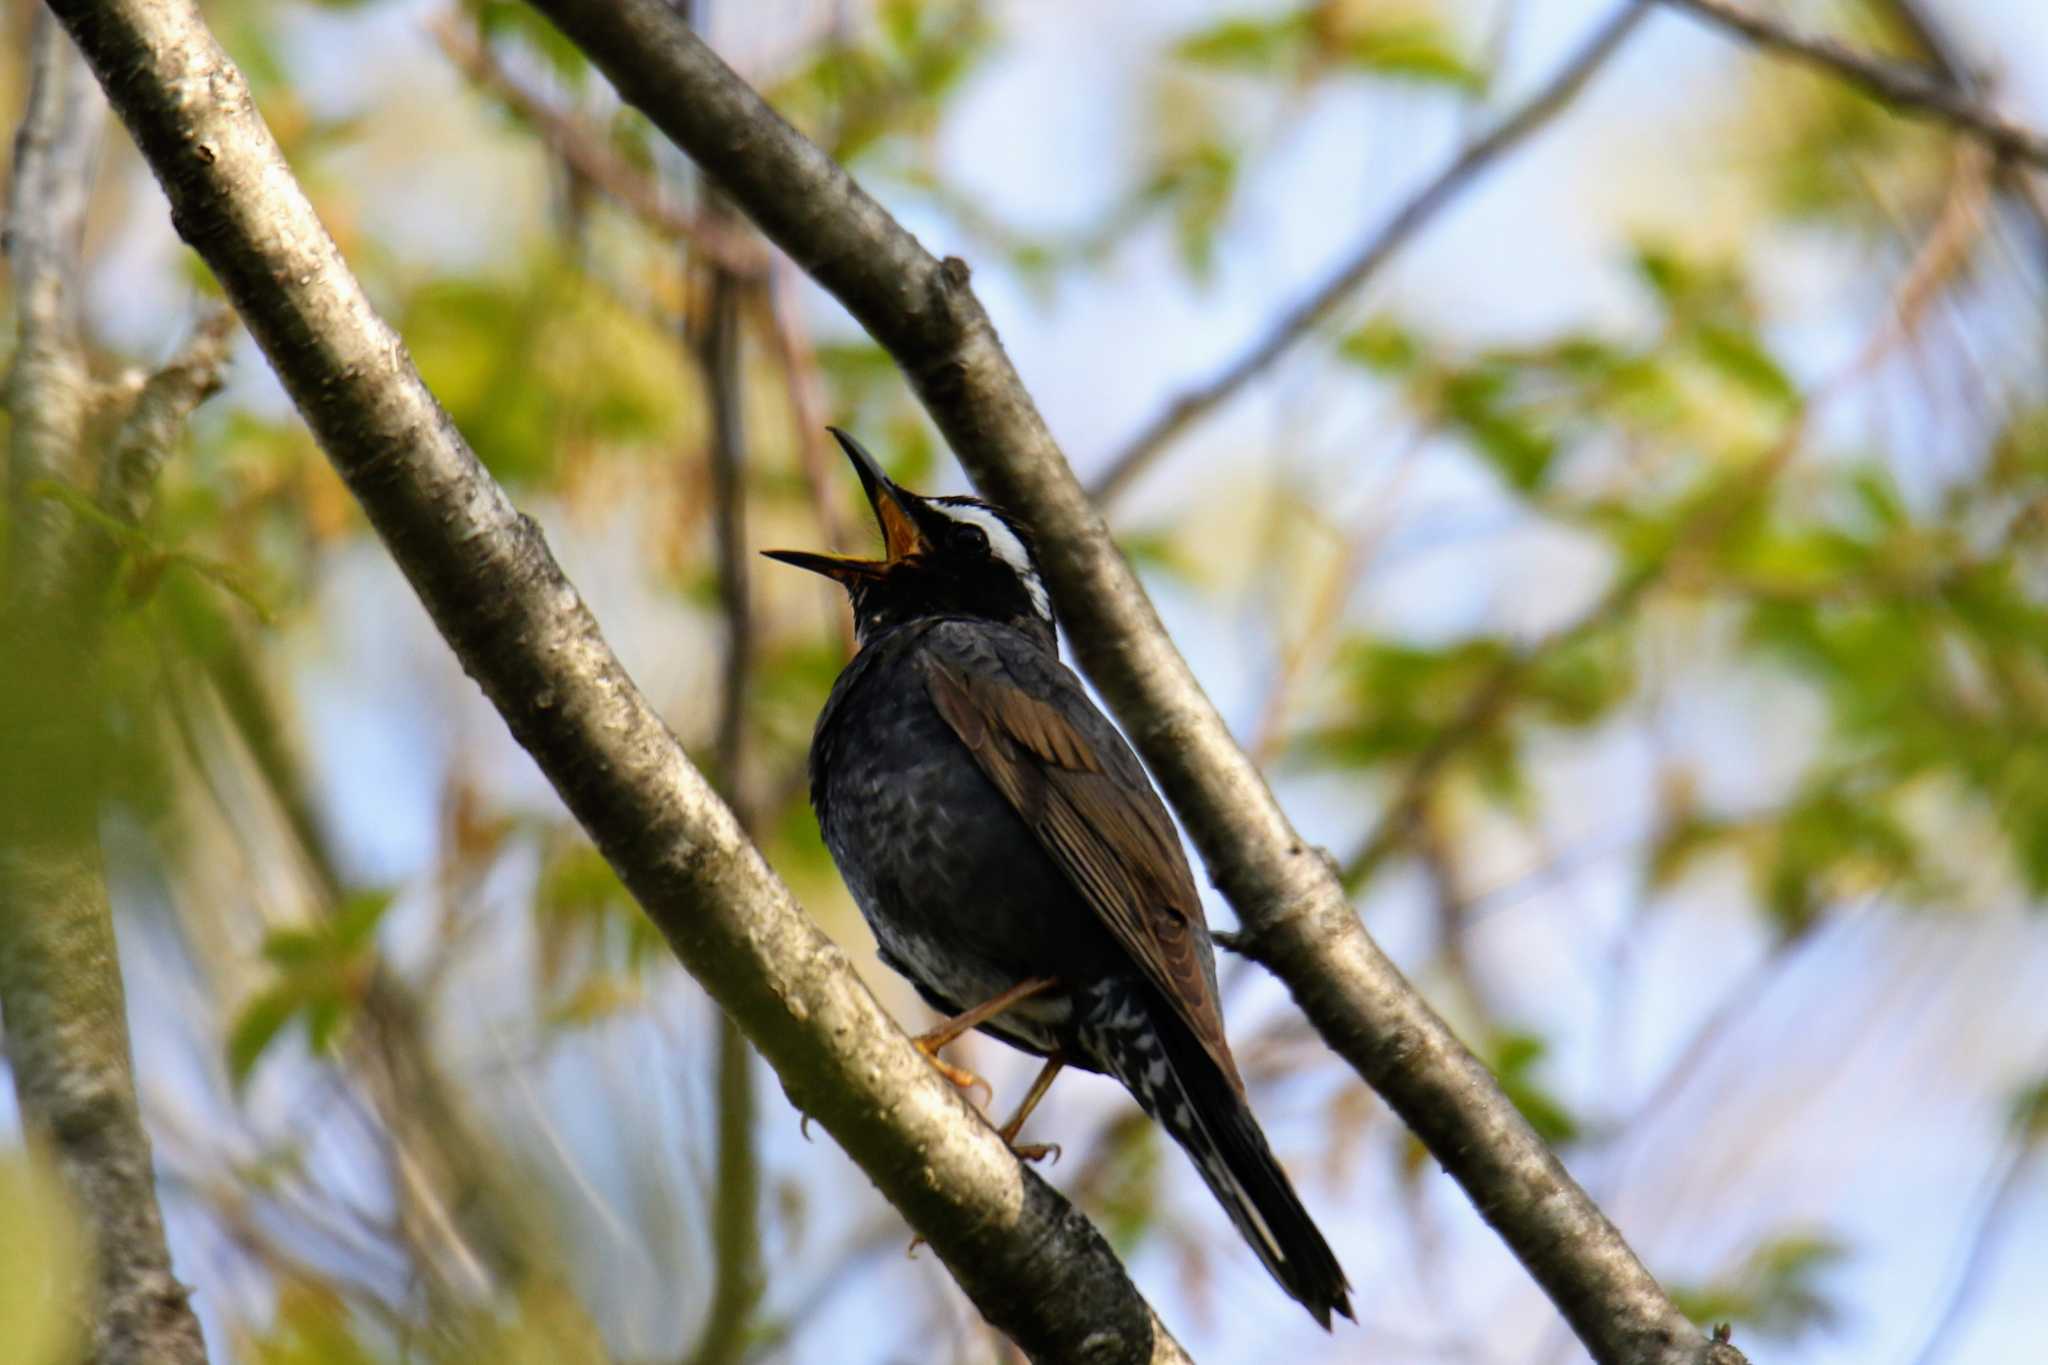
column 1108, row 832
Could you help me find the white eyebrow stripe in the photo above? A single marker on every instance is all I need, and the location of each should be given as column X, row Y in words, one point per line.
column 1006, row 547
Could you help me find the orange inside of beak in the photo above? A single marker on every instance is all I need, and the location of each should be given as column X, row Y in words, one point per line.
column 901, row 537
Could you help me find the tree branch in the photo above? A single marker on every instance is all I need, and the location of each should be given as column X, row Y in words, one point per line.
column 60, row 975
column 1296, row 913
column 1408, row 220
column 454, row 1162
column 2014, row 1166
column 1943, row 55
column 128, row 474
column 47, row 388
column 1032, row 1264
column 1907, row 90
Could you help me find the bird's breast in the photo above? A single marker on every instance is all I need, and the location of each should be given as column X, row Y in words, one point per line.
column 955, row 885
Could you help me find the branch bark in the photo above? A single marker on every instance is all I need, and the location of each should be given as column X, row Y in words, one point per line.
column 1908, row 90
column 1408, row 220
column 1941, row 52
column 60, row 976
column 47, row 387
column 1033, row 1265
column 1298, row 918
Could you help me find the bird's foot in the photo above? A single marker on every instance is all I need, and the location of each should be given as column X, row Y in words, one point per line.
column 1036, row 1151
column 960, row 1076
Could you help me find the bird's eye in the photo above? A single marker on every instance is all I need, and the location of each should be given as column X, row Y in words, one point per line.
column 967, row 536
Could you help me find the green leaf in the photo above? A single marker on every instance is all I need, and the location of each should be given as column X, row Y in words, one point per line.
column 1580, row 681
column 297, row 947
column 1382, row 345
column 354, row 925
column 1413, row 50
column 1199, row 182
column 1475, row 402
column 1775, row 1290
column 324, row 1019
column 1680, row 843
column 2030, row 1112
column 1298, row 42
column 255, row 1028
column 1516, row 1057
column 1739, row 356
column 1243, row 44
column 505, row 19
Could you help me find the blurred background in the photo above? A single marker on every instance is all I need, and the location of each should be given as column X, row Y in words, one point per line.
column 1639, row 585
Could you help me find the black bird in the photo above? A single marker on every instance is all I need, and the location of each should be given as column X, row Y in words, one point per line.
column 1013, row 860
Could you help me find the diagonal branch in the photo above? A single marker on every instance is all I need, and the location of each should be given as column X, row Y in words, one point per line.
column 1032, row 1264
column 1909, row 90
column 1408, row 220
column 1296, row 913
column 1941, row 52
column 128, row 474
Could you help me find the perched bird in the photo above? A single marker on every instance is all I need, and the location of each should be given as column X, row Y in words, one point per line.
column 1015, row 863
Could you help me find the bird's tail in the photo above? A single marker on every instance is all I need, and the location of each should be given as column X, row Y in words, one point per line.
column 1179, row 1084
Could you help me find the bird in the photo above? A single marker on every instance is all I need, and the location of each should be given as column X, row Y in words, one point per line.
column 1009, row 852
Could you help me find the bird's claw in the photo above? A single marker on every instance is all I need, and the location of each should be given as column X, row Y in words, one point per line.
column 960, row 1076
column 1036, row 1151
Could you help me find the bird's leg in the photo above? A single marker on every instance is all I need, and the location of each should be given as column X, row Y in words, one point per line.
column 1032, row 1151
column 930, row 1042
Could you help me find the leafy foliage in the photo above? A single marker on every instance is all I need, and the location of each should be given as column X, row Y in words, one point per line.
column 1776, row 1291
column 1394, row 41
column 321, row 976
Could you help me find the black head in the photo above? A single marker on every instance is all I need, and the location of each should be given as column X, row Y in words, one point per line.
column 941, row 557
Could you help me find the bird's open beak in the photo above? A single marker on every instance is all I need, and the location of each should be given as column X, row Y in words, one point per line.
column 900, row 534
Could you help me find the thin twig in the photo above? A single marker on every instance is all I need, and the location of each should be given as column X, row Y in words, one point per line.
column 390, row 1057
column 1906, row 89
column 1945, row 57
column 2016, row 1163
column 736, row 1197
column 128, row 475
column 1308, row 652
column 590, row 159
column 798, row 359
column 1197, row 402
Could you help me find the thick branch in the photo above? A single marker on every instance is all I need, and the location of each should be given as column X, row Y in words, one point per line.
column 923, row 312
column 60, row 977
column 1906, row 89
column 1034, row 1266
column 1297, row 322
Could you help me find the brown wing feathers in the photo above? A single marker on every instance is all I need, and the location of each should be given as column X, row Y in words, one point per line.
column 1116, row 844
